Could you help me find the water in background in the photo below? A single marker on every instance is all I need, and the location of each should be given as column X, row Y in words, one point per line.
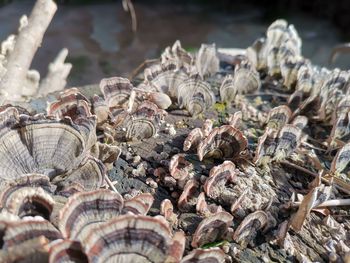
column 101, row 43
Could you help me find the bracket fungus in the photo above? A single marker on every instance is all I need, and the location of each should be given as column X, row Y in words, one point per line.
column 245, row 79
column 87, row 209
column 62, row 251
column 131, row 238
column 224, row 142
column 211, row 229
column 56, row 148
column 195, row 95
column 219, row 176
column 248, row 228
column 206, row 61
column 138, row 205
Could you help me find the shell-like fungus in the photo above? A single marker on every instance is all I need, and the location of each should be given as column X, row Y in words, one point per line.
column 246, row 79
column 131, row 238
column 143, row 123
column 341, row 122
column 166, row 77
column 63, row 251
column 219, row 176
column 207, row 62
column 100, row 109
column 341, row 160
column 177, row 54
column 278, row 117
column 223, row 142
column 87, row 208
column 33, row 250
column 116, row 92
column 199, row 255
column 195, row 95
column 29, row 195
column 211, row 229
column 167, row 210
column 204, row 209
column 139, row 205
column 70, row 103
column 193, row 139
column 21, row 231
column 51, row 147
column 180, row 168
column 248, row 228
column 288, row 141
column 187, row 199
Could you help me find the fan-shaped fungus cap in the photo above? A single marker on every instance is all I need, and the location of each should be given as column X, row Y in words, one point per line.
column 203, row 208
column 40, row 145
column 248, row 228
column 116, row 91
column 278, row 117
column 207, row 62
column 341, row 159
column 167, row 210
column 179, row 167
column 87, row 209
column 199, row 255
column 20, row 231
column 129, row 238
column 195, row 95
column 288, row 141
column 218, row 177
column 138, row 205
column 63, row 251
column 224, row 142
column 187, row 199
column 33, row 250
column 193, row 139
column 166, row 77
column 143, row 123
column 211, row 229
column 70, row 103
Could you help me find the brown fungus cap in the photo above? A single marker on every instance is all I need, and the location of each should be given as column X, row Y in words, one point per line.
column 29, row 195
column 224, row 142
column 211, row 229
column 33, row 250
column 18, row 232
column 41, row 145
column 278, row 117
column 130, row 238
column 87, row 209
column 219, row 176
column 248, row 228
column 64, row 251
column 138, row 205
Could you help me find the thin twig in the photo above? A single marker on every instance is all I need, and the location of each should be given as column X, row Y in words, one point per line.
column 110, row 184
column 128, row 6
column 328, row 203
column 140, row 67
column 324, row 180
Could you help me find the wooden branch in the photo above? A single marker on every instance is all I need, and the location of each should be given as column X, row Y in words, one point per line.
column 28, row 41
column 56, row 78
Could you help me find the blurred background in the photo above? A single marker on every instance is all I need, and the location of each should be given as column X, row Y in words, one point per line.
column 101, row 43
